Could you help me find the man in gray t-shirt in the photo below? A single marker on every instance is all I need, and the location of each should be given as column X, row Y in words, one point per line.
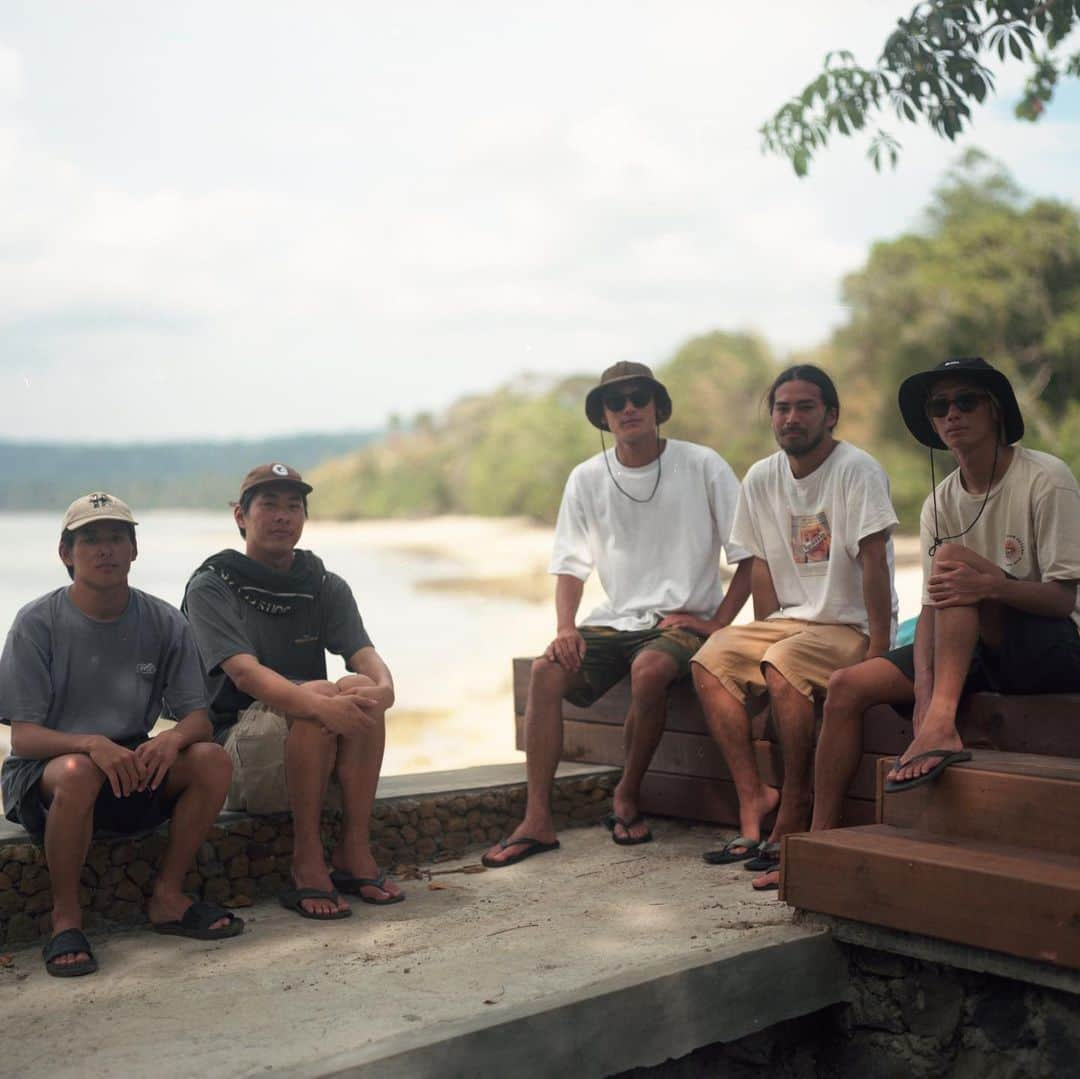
column 263, row 621
column 84, row 674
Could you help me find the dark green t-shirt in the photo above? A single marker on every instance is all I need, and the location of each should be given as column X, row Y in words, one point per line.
column 293, row 644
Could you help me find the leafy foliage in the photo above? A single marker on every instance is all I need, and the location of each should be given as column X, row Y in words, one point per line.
column 988, row 273
column 931, row 69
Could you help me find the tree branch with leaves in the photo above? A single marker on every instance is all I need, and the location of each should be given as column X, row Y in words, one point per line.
column 932, row 69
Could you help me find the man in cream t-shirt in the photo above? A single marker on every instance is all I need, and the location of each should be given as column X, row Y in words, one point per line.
column 817, row 518
column 651, row 516
column 1000, row 539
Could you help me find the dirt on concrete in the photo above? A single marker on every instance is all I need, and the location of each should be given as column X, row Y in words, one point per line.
column 291, row 992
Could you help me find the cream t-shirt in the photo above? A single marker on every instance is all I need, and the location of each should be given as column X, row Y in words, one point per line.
column 654, row 557
column 808, row 531
column 1030, row 527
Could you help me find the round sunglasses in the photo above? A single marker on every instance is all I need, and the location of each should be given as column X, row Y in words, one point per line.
column 616, row 402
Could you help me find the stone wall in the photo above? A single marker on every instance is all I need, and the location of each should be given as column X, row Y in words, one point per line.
column 247, row 858
column 907, row 1019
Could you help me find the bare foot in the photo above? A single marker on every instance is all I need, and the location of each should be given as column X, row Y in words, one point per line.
column 625, row 808
column 751, row 816
column 542, row 830
column 59, row 924
column 363, row 864
column 317, row 877
column 935, row 732
column 767, row 882
column 170, row 906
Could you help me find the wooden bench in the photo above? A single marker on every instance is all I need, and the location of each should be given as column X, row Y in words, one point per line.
column 689, row 778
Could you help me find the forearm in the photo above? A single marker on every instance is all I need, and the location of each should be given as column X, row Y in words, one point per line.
column 877, row 596
column 766, row 602
column 31, row 741
column 735, row 597
column 568, row 591
column 369, row 663
column 1052, row 599
column 263, row 684
column 194, row 727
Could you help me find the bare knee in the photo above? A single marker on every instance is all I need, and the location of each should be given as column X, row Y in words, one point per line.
column 323, row 687
column 547, row 677
column 849, row 693
column 650, row 675
column 73, row 779
column 353, row 682
column 209, row 765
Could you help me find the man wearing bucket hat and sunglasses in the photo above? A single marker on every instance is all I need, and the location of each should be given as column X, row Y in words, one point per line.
column 650, row 515
column 264, row 620
column 84, row 675
column 1000, row 540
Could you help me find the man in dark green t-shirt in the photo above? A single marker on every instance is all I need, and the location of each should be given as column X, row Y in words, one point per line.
column 263, row 621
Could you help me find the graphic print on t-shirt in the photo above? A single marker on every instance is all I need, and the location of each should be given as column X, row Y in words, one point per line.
column 811, row 542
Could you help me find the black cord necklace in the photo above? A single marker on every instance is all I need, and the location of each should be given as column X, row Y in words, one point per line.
column 938, row 538
column 620, row 489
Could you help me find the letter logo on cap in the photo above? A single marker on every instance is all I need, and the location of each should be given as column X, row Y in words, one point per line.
column 279, row 470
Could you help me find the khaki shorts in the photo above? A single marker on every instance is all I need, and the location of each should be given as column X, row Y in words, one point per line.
column 256, row 747
column 805, row 654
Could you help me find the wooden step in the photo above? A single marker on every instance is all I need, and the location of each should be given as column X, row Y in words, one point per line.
column 986, row 895
column 1021, row 799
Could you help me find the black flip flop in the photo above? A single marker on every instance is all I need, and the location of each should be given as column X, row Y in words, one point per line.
column 350, row 885
column 768, row 857
column 626, row 841
column 198, row 919
column 948, row 756
column 726, row 855
column 531, row 846
column 68, row 942
column 291, row 898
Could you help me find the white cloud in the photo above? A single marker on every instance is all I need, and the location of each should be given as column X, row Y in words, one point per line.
column 333, row 219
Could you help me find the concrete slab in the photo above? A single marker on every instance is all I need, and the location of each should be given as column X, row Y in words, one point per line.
column 595, row 958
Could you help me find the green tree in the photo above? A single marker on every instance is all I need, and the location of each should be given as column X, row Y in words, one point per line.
column 932, row 69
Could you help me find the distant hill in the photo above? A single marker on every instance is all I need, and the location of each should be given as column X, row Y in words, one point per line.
column 153, row 475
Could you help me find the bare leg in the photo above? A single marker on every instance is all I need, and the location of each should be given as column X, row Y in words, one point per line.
column 199, row 780
column 359, row 761
column 729, row 724
column 650, row 675
column 957, row 631
column 309, row 757
column 543, row 748
column 852, row 690
column 69, row 787
column 794, row 715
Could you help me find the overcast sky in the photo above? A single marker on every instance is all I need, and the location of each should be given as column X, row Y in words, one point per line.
column 241, row 218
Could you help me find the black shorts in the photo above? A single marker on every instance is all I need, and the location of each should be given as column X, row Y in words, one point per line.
column 1037, row 655
column 141, row 811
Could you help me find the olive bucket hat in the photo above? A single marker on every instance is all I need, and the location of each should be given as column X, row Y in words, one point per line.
column 915, row 392
column 619, row 374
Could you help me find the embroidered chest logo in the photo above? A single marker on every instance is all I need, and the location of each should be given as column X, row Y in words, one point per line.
column 148, row 670
column 1014, row 549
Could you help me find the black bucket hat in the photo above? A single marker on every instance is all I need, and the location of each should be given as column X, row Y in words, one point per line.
column 619, row 373
column 915, row 392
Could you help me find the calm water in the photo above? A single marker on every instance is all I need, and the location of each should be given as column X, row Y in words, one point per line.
column 450, row 653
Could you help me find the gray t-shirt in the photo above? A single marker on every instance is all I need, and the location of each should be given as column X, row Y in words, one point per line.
column 294, row 645
column 72, row 673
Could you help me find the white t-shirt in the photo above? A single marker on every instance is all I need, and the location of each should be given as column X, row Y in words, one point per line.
column 1030, row 527
column 809, row 531
column 655, row 557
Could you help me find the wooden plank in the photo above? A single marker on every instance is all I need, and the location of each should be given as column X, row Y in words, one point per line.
column 986, row 895
column 715, row 801
column 1018, row 799
column 1044, row 724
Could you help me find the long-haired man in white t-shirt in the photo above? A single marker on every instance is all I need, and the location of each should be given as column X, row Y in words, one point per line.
column 650, row 515
column 817, row 518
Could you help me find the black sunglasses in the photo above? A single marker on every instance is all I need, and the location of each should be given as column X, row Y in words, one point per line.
column 616, row 402
column 965, row 401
